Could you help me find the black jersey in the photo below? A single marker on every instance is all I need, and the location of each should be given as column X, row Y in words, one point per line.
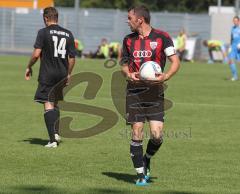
column 155, row 47
column 57, row 45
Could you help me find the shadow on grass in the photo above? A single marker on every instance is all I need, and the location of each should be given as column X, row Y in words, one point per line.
column 105, row 191
column 36, row 141
column 143, row 190
column 129, row 178
column 180, row 192
column 31, row 189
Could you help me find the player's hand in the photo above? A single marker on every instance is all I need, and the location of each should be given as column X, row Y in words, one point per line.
column 162, row 77
column 68, row 79
column 133, row 76
column 28, row 73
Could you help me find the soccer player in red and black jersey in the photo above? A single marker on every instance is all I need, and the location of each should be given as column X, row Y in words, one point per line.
column 55, row 47
column 145, row 99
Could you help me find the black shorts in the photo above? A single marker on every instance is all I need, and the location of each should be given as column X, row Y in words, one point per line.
column 50, row 93
column 144, row 101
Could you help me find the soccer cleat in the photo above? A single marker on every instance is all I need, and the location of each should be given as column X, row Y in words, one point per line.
column 147, row 175
column 57, row 138
column 146, row 165
column 234, row 79
column 51, row 145
column 141, row 182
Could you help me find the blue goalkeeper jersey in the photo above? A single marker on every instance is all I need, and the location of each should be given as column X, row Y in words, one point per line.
column 235, row 35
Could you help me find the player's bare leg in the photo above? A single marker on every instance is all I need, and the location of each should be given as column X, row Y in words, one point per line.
column 136, row 151
column 154, row 143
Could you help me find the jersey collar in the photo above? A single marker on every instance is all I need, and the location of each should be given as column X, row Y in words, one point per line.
column 149, row 36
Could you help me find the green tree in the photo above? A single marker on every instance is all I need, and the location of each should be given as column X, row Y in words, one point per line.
column 64, row 3
column 154, row 5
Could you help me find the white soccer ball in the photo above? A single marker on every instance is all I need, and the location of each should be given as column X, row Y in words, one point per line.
column 149, row 69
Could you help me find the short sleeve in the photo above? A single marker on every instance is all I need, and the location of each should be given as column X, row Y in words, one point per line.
column 71, row 47
column 39, row 40
column 125, row 54
column 168, row 46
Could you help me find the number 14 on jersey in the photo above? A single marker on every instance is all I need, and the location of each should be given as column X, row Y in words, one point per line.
column 59, row 47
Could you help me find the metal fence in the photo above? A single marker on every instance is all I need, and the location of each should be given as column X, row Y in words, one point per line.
column 18, row 28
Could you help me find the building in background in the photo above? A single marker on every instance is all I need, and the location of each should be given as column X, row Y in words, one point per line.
column 91, row 25
column 221, row 22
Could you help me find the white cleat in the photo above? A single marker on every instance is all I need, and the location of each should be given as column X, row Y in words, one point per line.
column 234, row 79
column 51, row 145
column 57, row 138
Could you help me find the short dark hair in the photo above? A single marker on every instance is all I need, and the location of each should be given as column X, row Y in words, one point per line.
column 236, row 17
column 205, row 43
column 51, row 13
column 141, row 11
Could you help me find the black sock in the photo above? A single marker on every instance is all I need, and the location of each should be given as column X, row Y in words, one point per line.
column 152, row 147
column 136, row 151
column 50, row 117
column 56, row 127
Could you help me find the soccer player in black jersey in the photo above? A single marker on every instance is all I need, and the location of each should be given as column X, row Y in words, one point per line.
column 145, row 100
column 54, row 46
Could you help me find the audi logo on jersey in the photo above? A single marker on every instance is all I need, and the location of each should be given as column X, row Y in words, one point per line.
column 142, row 54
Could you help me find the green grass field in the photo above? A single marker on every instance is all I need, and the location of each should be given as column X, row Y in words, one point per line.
column 200, row 153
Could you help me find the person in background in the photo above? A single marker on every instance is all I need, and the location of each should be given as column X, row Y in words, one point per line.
column 234, row 54
column 79, row 47
column 102, row 51
column 115, row 50
column 54, row 46
column 215, row 45
column 181, row 44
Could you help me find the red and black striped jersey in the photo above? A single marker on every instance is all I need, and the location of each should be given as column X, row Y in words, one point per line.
column 155, row 47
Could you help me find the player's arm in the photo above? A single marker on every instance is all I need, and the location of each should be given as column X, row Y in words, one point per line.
column 35, row 55
column 170, row 52
column 134, row 76
column 71, row 63
column 38, row 45
column 224, row 52
column 125, row 70
column 71, row 57
column 174, row 67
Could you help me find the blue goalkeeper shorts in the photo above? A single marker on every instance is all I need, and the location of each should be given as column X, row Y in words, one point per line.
column 234, row 53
